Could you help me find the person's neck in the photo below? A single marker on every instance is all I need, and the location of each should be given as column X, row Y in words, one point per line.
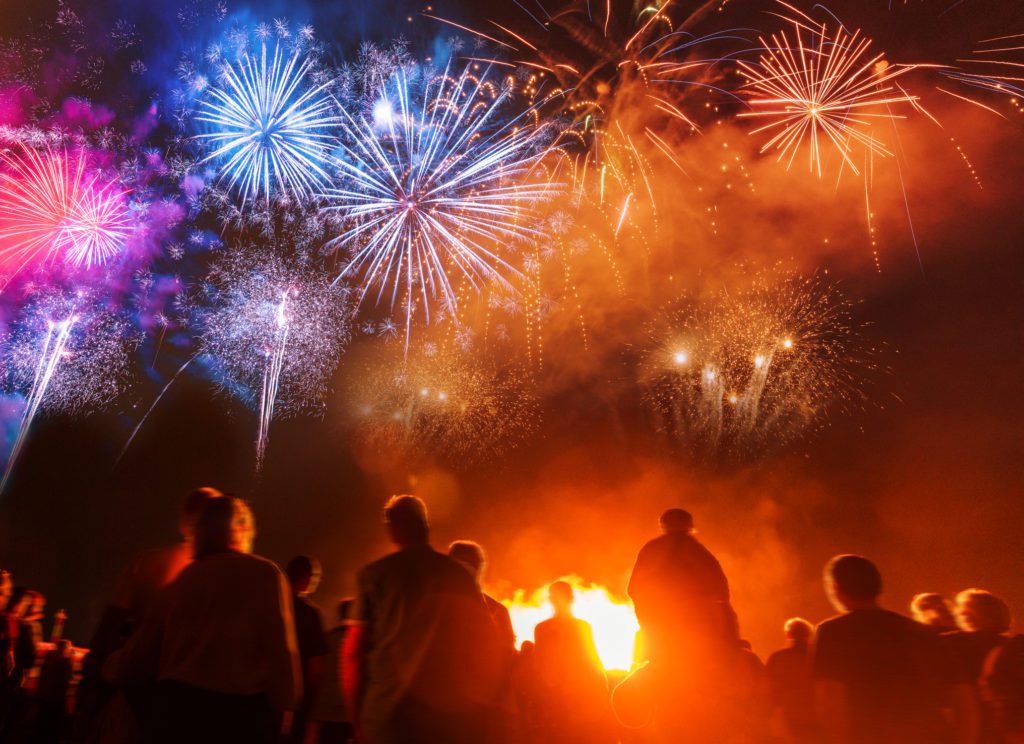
column 853, row 605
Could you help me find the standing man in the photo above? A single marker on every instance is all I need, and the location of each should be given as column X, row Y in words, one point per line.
column 417, row 663
column 877, row 674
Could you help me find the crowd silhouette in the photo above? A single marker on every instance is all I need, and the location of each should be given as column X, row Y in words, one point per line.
column 205, row 641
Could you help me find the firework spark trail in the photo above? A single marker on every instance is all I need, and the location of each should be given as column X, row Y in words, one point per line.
column 51, row 209
column 435, row 188
column 50, row 355
column 158, row 398
column 270, row 131
column 820, row 86
column 274, row 329
column 272, row 377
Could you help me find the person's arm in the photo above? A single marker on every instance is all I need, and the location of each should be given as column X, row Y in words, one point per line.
column 285, row 679
column 139, row 659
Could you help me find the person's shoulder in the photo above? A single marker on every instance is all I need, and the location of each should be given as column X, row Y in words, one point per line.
column 494, row 605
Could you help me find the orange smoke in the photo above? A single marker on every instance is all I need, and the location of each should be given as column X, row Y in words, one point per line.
column 612, row 619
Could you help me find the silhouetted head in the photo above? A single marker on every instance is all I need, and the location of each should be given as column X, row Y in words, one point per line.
column 561, row 595
column 979, row 610
column 470, row 555
column 676, row 520
column 932, row 609
column 303, row 573
column 345, row 609
column 190, row 510
column 224, row 524
column 406, row 518
column 852, row 582
column 798, row 631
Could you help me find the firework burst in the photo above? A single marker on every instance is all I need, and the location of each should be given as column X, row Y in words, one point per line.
column 821, row 87
column 65, row 353
column 437, row 185
column 744, row 373
column 270, row 127
column 441, row 400
column 51, row 210
column 273, row 332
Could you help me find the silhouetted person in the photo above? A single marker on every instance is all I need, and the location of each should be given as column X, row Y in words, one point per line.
column 680, row 592
column 789, row 677
column 877, row 674
column 472, row 556
column 304, row 576
column 932, row 610
column 572, row 689
column 330, row 715
column 139, row 583
column 417, row 665
column 984, row 621
column 220, row 640
column 1002, row 684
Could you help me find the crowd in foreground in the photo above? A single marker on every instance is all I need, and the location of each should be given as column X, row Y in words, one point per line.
column 205, row 641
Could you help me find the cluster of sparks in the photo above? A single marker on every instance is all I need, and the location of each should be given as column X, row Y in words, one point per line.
column 63, row 354
column 274, row 330
column 53, row 210
column 741, row 373
column 441, row 400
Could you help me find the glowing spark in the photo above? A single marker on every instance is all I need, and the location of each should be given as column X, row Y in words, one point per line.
column 270, row 129
column 50, row 209
column 828, row 89
column 436, row 189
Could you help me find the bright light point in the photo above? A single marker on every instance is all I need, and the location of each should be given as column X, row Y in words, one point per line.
column 680, row 357
column 442, row 396
column 424, row 392
column 383, row 116
column 709, row 375
column 787, row 343
column 758, row 361
column 733, row 398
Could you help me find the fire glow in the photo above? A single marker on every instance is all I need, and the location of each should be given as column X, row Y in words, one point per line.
column 611, row 619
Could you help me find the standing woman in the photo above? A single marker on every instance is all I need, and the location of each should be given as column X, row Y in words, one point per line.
column 220, row 641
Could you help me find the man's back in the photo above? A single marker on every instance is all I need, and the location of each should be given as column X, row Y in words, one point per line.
column 226, row 626
column 429, row 633
column 890, row 670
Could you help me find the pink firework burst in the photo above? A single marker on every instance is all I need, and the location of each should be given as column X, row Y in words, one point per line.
column 53, row 210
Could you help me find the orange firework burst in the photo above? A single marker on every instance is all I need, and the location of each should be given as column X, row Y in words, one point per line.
column 815, row 84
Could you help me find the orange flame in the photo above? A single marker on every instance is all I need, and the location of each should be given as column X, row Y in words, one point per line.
column 611, row 618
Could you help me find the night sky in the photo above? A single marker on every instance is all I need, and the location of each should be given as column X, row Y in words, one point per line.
column 925, row 476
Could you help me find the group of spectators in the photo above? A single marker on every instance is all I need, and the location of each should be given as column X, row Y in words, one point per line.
column 207, row 642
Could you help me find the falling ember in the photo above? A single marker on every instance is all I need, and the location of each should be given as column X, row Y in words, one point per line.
column 612, row 619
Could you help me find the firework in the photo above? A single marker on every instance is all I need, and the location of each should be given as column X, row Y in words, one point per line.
column 51, row 209
column 443, row 400
column 65, row 353
column 270, row 127
column 817, row 86
column 742, row 373
column 273, row 332
column 436, row 184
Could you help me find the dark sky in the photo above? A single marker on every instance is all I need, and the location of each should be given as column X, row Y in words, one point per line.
column 926, row 478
